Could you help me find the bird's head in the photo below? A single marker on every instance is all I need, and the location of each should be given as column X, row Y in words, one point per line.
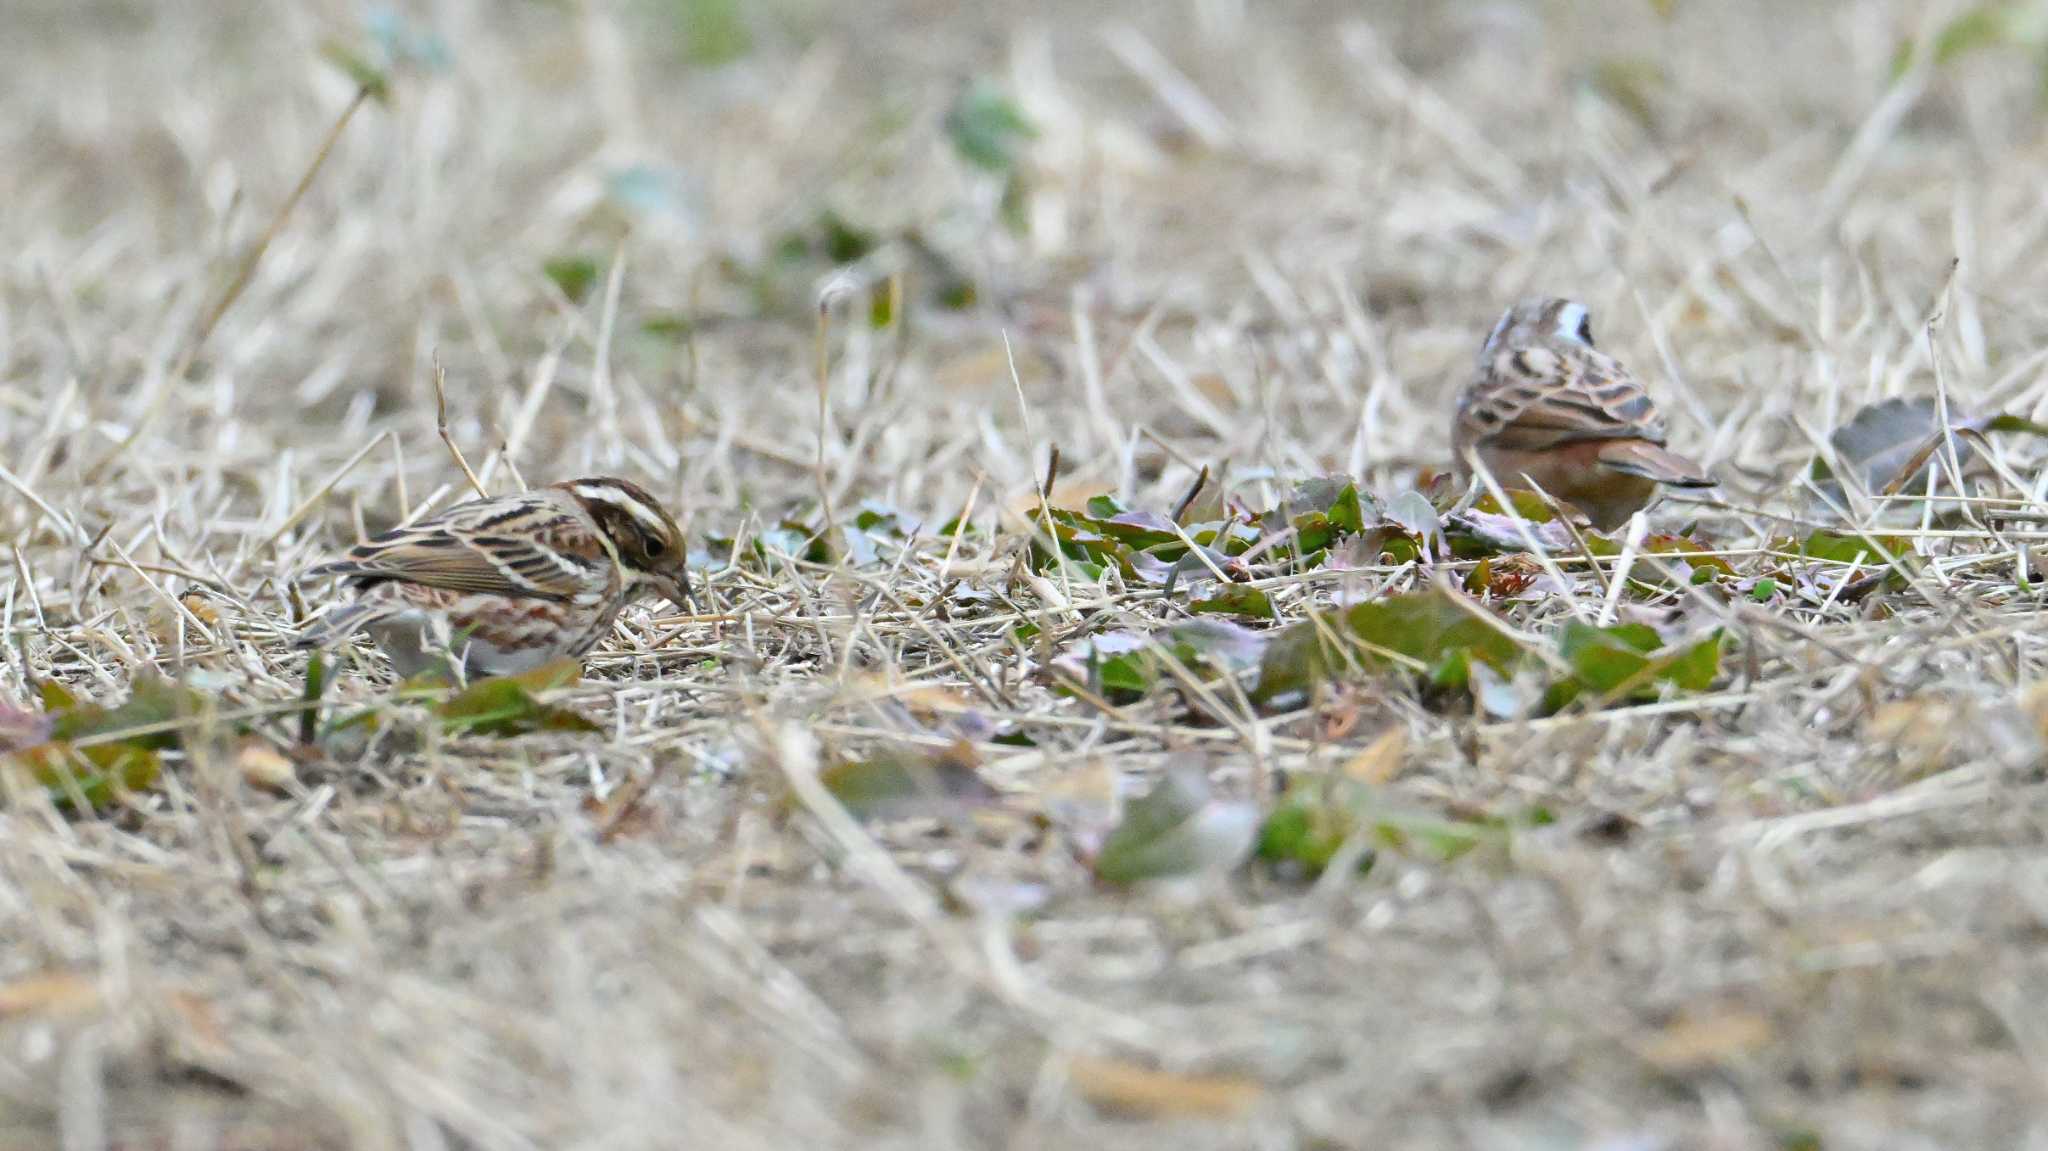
column 650, row 546
column 1553, row 323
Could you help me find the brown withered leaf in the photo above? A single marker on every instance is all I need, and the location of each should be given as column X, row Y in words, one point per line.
column 1381, row 760
column 1695, row 1041
column 1127, row 1088
column 60, row 993
column 264, row 766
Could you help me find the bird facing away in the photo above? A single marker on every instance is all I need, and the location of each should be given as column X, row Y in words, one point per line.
column 504, row 585
column 1547, row 407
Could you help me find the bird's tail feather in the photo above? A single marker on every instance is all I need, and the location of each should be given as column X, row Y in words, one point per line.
column 1654, row 462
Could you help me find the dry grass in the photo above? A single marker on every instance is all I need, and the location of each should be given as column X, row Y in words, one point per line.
column 1802, row 910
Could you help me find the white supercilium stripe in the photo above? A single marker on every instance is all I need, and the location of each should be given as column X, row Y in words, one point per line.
column 597, row 493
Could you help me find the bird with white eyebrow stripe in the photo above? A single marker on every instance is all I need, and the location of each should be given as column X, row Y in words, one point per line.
column 504, row 585
column 1547, row 406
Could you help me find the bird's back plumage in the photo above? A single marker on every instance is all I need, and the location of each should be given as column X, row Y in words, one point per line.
column 1546, row 406
column 510, row 581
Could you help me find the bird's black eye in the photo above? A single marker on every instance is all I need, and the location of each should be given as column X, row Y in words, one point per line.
column 1586, row 330
column 653, row 547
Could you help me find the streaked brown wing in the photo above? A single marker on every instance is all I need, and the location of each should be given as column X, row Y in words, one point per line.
column 516, row 546
column 1534, row 398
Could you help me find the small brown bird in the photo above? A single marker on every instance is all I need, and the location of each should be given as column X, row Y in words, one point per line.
column 1548, row 407
column 506, row 584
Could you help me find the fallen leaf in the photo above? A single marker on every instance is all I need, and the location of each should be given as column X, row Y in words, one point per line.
column 930, row 700
column 91, row 777
column 1381, row 760
column 1429, row 628
column 1307, row 830
column 1897, row 445
column 987, row 128
column 121, row 744
column 1127, row 663
column 507, row 705
column 573, row 275
column 1237, row 600
column 623, row 812
column 1695, row 1042
column 1120, row 1086
column 906, row 784
column 264, row 766
column 1178, row 828
column 1319, row 815
column 1845, row 548
column 202, row 1024
column 1633, row 657
column 61, row 994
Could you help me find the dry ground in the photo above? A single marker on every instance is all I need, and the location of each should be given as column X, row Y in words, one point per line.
column 1803, row 909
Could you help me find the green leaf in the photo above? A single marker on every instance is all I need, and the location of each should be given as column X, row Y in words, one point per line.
column 1603, row 658
column 1428, row 625
column 1318, row 816
column 506, row 705
column 1236, row 599
column 1630, row 656
column 1298, row 657
column 714, row 31
column 573, row 274
column 1437, row 837
column 1696, row 667
column 1126, row 675
column 365, row 75
column 1345, row 513
column 1974, row 29
column 1104, row 507
column 2011, row 423
column 153, row 702
column 1427, row 629
column 124, row 742
column 1126, row 664
column 1853, row 549
column 904, row 784
column 987, row 128
column 1307, row 831
column 1178, row 828
column 1319, row 511
column 97, row 775
column 956, row 294
column 1983, row 26
column 1526, row 504
column 845, row 243
column 1632, row 84
column 1312, row 534
column 55, row 696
